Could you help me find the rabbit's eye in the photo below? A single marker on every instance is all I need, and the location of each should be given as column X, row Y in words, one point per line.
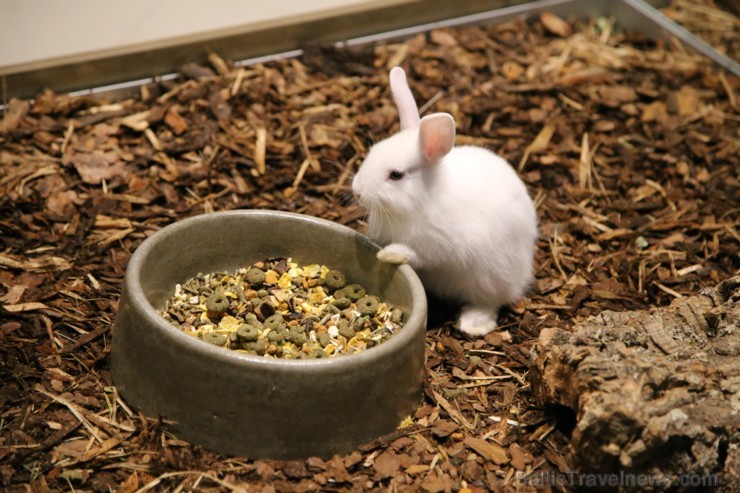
column 396, row 174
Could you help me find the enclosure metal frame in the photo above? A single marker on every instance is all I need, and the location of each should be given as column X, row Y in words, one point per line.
column 117, row 75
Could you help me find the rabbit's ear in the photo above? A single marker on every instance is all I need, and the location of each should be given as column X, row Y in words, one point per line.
column 405, row 103
column 436, row 136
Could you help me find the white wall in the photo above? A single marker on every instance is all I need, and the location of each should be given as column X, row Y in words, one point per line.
column 33, row 32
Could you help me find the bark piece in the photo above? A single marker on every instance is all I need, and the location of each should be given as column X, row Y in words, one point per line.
column 654, row 391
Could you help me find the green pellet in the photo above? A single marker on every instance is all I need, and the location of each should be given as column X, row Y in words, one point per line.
column 314, row 315
column 335, row 280
column 215, row 339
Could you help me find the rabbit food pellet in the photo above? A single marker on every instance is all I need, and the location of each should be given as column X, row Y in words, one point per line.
column 278, row 309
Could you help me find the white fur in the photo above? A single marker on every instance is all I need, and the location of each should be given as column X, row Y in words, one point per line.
column 465, row 222
column 407, row 112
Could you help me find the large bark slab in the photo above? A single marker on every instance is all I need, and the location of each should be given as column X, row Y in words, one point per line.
column 654, row 391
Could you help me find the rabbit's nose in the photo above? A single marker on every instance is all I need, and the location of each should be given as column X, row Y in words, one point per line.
column 357, row 189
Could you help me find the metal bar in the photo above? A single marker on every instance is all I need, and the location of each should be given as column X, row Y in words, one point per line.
column 637, row 15
column 163, row 56
column 640, row 16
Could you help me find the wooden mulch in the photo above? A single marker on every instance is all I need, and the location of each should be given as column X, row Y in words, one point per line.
column 630, row 150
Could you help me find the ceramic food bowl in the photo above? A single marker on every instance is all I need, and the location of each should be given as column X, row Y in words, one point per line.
column 239, row 404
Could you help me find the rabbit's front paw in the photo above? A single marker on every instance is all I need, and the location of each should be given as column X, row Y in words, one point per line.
column 397, row 253
column 476, row 321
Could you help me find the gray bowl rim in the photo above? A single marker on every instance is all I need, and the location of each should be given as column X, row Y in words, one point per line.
column 139, row 302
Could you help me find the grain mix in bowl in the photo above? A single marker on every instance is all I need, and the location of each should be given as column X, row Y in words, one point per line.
column 277, row 308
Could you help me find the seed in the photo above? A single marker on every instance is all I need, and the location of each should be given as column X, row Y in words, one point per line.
column 217, row 304
column 354, row 292
column 280, row 309
column 215, row 338
column 309, row 321
column 335, row 280
column 274, row 349
column 368, row 305
column 255, row 276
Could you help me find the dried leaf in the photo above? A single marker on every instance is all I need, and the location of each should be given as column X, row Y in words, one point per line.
column 175, row 121
column 555, row 24
column 14, row 295
column 540, row 143
column 435, row 484
column 42, row 263
column 616, row 95
column 489, row 451
column 443, row 38
column 444, row 428
column 220, row 108
column 15, row 113
column 387, row 465
column 62, row 203
column 137, row 121
column 96, row 167
column 590, row 75
column 512, row 70
column 520, row 457
column 195, row 71
column 24, row 307
column 684, row 102
column 654, row 112
column 260, row 150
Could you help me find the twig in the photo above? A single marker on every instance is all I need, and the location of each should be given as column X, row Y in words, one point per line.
column 55, row 438
column 540, row 143
column 209, row 167
column 584, row 167
column 155, row 482
column 454, row 413
column 668, row 290
column 260, row 150
column 728, row 90
column 431, row 102
column 93, row 431
column 301, row 171
column 238, row 82
column 68, row 136
column 315, row 166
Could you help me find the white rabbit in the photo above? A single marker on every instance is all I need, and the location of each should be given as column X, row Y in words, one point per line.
column 460, row 216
